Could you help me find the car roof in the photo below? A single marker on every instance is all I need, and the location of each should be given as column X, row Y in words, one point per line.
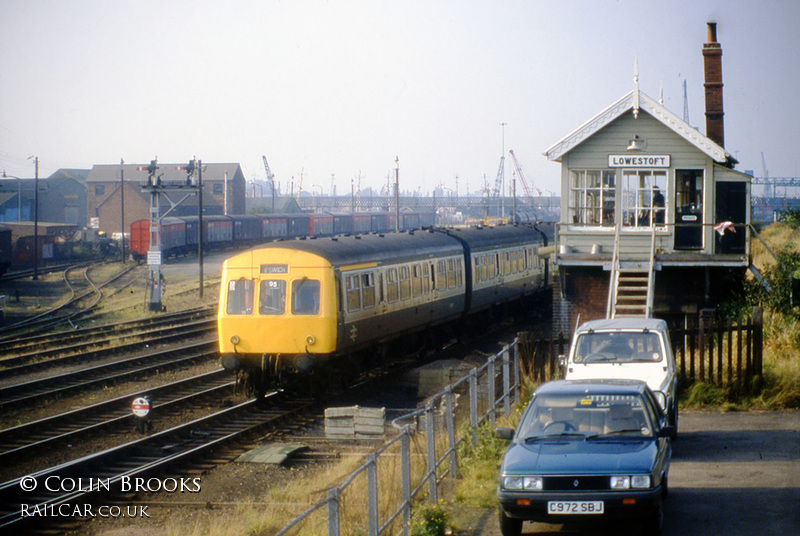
column 600, row 386
column 624, row 324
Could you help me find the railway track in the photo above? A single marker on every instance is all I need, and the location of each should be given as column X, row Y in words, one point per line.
column 84, row 297
column 191, row 443
column 112, row 343
column 28, row 439
column 134, row 367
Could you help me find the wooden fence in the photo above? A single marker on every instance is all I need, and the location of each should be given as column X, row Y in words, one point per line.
column 722, row 352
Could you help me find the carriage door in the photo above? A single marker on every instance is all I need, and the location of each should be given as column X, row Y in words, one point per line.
column 731, row 206
column 689, row 209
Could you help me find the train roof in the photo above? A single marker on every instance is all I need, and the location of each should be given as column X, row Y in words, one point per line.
column 381, row 248
column 408, row 245
column 479, row 238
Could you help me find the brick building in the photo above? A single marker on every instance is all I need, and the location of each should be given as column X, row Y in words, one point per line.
column 223, row 184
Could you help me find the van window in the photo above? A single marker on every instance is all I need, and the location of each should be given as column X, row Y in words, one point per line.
column 305, row 297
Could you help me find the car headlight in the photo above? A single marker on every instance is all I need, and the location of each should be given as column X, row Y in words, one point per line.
column 628, row 482
column 527, row 483
column 620, row 482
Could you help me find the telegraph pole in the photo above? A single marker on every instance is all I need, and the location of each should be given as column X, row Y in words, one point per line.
column 397, row 194
column 200, row 221
column 36, row 220
column 122, row 204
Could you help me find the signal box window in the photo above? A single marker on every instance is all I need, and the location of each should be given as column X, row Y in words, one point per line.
column 272, row 299
column 240, row 297
column 305, row 297
column 592, row 197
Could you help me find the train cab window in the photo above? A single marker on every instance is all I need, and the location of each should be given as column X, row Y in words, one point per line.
column 392, row 291
column 405, row 282
column 305, row 297
column 353, row 286
column 368, row 290
column 240, row 297
column 272, row 297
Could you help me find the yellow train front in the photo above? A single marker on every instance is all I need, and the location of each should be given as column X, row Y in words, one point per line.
column 320, row 307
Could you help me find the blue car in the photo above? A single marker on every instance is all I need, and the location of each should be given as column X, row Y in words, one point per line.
column 586, row 450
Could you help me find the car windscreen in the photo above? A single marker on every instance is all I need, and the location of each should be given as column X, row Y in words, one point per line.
column 585, row 415
column 618, row 347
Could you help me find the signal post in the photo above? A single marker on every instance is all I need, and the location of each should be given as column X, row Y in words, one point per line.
column 157, row 187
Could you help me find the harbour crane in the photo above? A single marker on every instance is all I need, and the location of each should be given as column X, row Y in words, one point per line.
column 270, row 180
column 498, row 182
column 522, row 177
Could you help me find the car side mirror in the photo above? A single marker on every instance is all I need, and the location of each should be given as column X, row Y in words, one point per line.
column 661, row 398
column 503, row 432
column 668, row 431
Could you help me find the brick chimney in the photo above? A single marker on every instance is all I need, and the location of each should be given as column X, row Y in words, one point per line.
column 712, row 66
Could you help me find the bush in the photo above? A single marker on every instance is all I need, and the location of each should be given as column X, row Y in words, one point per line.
column 792, row 218
column 430, row 520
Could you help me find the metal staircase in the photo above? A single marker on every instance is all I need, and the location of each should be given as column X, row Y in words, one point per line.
column 630, row 292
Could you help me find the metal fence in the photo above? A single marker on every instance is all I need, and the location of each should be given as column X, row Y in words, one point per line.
column 427, row 447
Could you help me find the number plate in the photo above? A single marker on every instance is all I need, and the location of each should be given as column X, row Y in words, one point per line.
column 574, row 507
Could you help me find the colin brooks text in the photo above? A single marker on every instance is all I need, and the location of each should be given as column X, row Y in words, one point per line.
column 81, row 510
column 125, row 484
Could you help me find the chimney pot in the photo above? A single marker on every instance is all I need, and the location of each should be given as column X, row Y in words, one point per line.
column 712, row 32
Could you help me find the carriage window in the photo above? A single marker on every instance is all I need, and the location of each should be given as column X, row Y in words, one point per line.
column 368, row 290
column 426, row 278
column 416, row 282
column 405, row 282
column 353, row 293
column 240, row 297
column 392, row 292
column 305, row 297
column 272, row 297
column 451, row 273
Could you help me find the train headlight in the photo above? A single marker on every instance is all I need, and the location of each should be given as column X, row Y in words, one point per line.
column 310, row 340
column 235, row 340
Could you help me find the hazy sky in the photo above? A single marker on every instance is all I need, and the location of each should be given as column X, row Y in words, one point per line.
column 343, row 87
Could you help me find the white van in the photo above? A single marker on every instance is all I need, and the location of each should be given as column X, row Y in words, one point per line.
column 627, row 348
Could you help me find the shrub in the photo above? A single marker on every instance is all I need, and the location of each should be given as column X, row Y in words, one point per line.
column 430, row 520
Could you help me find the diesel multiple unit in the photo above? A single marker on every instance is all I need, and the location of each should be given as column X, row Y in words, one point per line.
column 290, row 307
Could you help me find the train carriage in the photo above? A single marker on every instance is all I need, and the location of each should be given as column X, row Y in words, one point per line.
column 273, row 226
column 288, row 307
column 342, row 223
column 505, row 263
column 247, row 229
column 362, row 222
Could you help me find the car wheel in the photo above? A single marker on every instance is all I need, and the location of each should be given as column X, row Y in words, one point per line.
column 655, row 521
column 674, row 420
column 508, row 525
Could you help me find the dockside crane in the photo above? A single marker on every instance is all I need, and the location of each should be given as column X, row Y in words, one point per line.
column 270, row 180
column 522, row 177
